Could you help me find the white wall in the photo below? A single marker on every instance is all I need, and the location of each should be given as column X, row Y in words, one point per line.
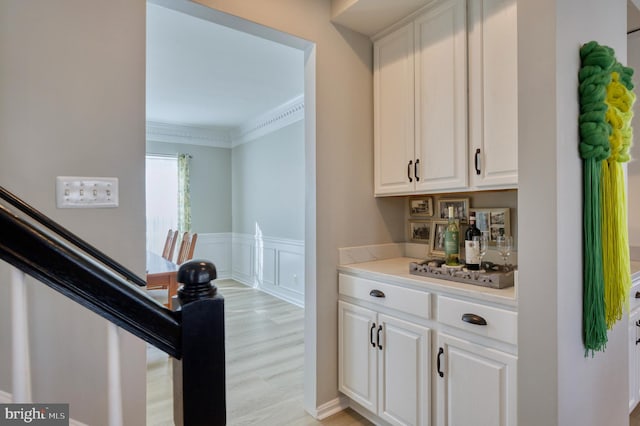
column 210, row 184
column 72, row 103
column 633, row 51
column 269, row 184
column 557, row 384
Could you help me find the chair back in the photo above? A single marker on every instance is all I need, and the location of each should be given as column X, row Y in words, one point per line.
column 170, row 245
column 187, row 247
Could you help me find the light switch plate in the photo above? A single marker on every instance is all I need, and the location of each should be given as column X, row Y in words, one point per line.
column 86, row 192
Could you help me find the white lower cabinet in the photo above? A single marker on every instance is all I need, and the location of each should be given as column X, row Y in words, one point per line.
column 384, row 364
column 476, row 385
column 390, row 366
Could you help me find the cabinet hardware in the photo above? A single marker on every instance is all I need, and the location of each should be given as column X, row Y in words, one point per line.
column 440, row 352
column 415, row 170
column 409, row 170
column 637, row 341
column 474, row 319
column 638, row 323
column 373, row 327
column 376, row 293
column 379, row 330
column 477, row 161
column 637, row 294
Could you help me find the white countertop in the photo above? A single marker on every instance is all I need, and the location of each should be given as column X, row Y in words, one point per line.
column 396, row 270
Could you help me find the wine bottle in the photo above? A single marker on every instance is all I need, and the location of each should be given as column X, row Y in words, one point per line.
column 452, row 241
column 471, row 247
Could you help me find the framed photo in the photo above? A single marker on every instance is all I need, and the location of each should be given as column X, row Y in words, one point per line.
column 422, row 206
column 493, row 220
column 460, row 208
column 437, row 238
column 420, row 231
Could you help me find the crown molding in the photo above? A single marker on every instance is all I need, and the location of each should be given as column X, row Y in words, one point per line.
column 176, row 133
column 224, row 137
column 277, row 118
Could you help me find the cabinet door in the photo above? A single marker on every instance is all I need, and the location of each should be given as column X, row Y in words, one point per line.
column 493, row 93
column 634, row 359
column 393, row 112
column 478, row 387
column 403, row 373
column 357, row 354
column 441, row 97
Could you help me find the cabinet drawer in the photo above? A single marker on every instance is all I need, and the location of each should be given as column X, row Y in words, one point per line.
column 500, row 323
column 412, row 302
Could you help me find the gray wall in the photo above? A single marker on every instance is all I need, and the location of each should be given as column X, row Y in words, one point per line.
column 557, row 384
column 210, row 184
column 72, row 102
column 269, row 184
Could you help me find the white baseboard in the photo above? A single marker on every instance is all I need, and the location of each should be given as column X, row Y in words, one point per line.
column 330, row 408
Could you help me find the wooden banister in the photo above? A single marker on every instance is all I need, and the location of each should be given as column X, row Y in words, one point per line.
column 94, row 287
column 69, row 236
column 193, row 334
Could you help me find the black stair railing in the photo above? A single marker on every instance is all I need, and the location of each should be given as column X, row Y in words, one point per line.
column 194, row 333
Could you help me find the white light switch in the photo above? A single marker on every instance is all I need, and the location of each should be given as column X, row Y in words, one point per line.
column 86, row 192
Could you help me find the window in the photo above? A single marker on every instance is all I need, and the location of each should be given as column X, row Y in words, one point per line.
column 161, row 199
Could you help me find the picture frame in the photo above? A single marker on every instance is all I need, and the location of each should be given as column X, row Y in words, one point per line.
column 421, row 206
column 460, row 208
column 437, row 237
column 420, row 231
column 493, row 220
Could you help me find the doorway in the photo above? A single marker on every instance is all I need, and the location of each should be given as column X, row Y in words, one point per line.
column 256, row 270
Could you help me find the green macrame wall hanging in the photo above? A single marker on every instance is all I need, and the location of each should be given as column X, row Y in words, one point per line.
column 606, row 110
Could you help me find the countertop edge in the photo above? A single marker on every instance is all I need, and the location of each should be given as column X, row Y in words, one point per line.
column 387, row 271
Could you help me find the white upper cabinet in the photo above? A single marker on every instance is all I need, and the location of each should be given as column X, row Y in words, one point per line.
column 428, row 80
column 493, row 93
column 393, row 110
column 441, row 97
column 420, row 107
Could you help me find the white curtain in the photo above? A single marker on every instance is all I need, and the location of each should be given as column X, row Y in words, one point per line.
column 161, row 199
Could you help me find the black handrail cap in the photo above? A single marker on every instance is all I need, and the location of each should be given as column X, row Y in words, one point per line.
column 197, row 272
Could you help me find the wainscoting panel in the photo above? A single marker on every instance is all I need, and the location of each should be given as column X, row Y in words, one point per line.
column 266, row 266
column 277, row 265
column 274, row 265
column 242, row 259
column 291, row 271
column 215, row 248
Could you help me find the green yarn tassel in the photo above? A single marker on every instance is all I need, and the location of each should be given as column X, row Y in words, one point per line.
column 594, row 77
column 595, row 326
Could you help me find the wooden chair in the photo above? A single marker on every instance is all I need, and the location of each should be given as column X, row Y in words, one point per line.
column 170, row 245
column 187, row 247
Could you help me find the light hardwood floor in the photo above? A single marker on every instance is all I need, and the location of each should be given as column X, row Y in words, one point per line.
column 264, row 350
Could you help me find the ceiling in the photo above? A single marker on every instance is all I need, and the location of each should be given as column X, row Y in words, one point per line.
column 203, row 74
column 207, row 75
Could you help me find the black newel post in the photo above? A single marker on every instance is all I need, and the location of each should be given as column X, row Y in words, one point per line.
column 203, row 361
